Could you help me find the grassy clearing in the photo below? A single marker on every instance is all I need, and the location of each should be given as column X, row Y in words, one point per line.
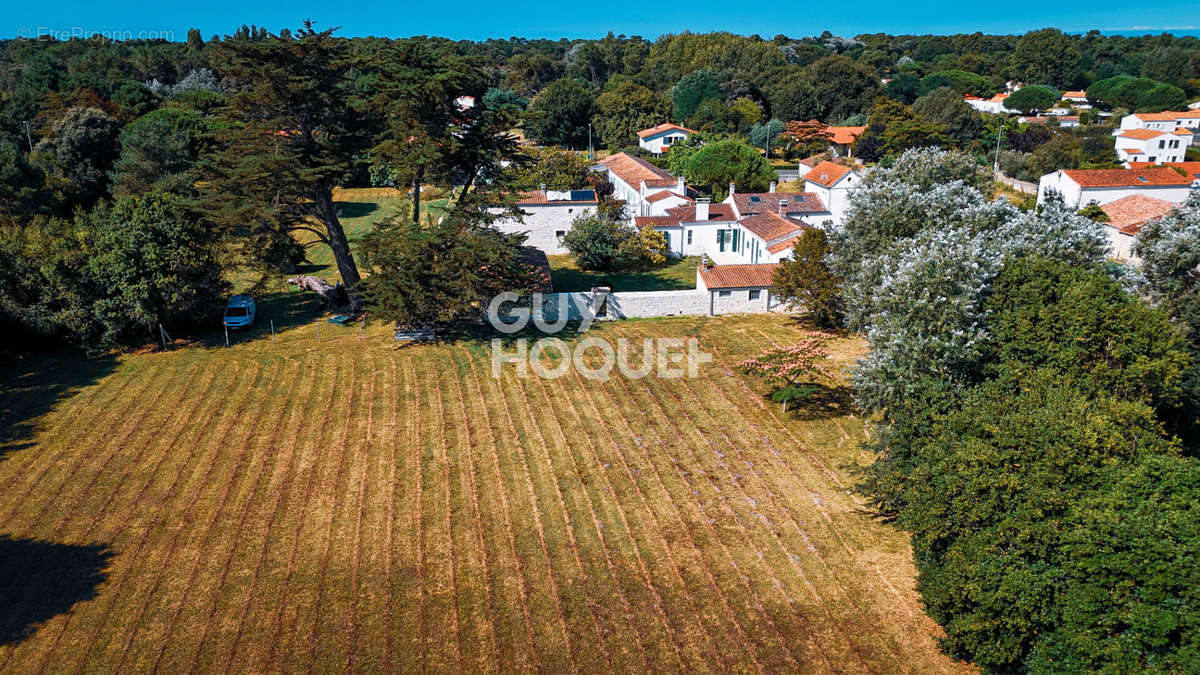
column 353, row 505
column 676, row 275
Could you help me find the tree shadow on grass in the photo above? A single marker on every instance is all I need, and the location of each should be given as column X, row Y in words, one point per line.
column 31, row 385
column 355, row 209
column 40, row 580
column 826, row 402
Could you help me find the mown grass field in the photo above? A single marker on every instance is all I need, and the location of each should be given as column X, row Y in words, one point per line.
column 330, row 501
column 354, row 505
column 676, row 275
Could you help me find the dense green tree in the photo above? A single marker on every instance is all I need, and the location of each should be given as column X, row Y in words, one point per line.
column 795, row 98
column 598, row 243
column 945, row 107
column 804, row 280
column 20, row 182
column 290, row 136
column 905, row 87
column 1048, row 56
column 77, row 155
column 893, row 128
column 1171, row 65
column 551, row 169
column 626, row 108
column 1032, row 98
column 692, row 90
column 1140, row 94
column 715, row 165
column 444, row 273
column 159, row 150
column 497, row 98
column 842, row 87
column 1060, row 152
column 154, row 262
column 560, row 113
column 959, row 81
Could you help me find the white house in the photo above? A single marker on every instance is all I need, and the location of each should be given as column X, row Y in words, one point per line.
column 664, row 200
column 805, row 207
column 832, row 183
column 993, row 105
column 1077, row 99
column 547, row 217
column 841, row 139
column 1162, row 121
column 1152, row 145
column 1080, row 187
column 737, row 288
column 699, row 228
column 659, row 139
column 1126, row 218
column 634, row 180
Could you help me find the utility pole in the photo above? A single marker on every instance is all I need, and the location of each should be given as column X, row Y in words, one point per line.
column 591, row 151
column 28, row 136
column 999, row 135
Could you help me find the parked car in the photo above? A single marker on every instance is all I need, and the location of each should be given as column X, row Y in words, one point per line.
column 239, row 313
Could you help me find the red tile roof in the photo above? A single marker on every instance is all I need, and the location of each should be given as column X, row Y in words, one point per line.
column 1142, row 134
column 749, row 203
column 634, row 170
column 656, row 221
column 737, row 276
column 826, row 174
column 1129, row 214
column 844, row 135
column 646, row 133
column 687, row 214
column 1074, row 94
column 770, row 226
column 1192, row 169
column 540, row 198
column 659, row 196
column 1168, row 116
column 1126, row 177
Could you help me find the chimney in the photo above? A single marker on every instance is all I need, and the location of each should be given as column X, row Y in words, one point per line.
column 705, row 262
column 783, row 207
column 702, row 210
column 732, row 188
column 772, row 187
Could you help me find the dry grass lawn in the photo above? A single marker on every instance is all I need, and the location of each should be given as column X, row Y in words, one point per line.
column 352, row 505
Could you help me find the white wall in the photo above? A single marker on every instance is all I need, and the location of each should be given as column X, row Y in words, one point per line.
column 657, row 144
column 542, row 222
column 1120, row 245
column 1076, row 197
column 648, row 304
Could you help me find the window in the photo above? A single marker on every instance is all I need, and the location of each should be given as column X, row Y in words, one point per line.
column 689, row 240
column 668, row 140
column 720, row 240
column 1153, row 159
column 723, row 294
column 559, row 234
column 754, row 295
column 1162, row 144
column 667, row 239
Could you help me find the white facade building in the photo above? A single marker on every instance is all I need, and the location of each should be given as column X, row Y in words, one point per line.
column 635, row 180
column 659, row 139
column 1080, row 187
column 547, row 218
column 993, row 105
column 1152, row 145
column 832, row 183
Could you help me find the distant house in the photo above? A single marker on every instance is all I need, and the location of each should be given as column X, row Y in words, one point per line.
column 1152, row 145
column 635, row 180
column 993, row 105
column 548, row 215
column 1162, row 121
column 1126, row 218
column 842, row 139
column 804, row 207
column 659, row 139
column 1077, row 99
column 805, row 165
column 1064, row 121
column 737, row 288
column 1080, row 187
column 832, row 183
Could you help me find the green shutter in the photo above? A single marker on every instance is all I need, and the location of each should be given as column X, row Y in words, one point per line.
column 735, row 241
column 720, row 240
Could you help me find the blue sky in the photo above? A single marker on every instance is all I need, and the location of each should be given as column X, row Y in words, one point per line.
column 475, row 19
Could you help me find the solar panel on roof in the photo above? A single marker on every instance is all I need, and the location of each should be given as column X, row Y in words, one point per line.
column 582, row 195
column 756, row 198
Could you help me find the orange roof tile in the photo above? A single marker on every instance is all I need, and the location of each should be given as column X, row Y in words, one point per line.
column 844, row 135
column 1074, row 94
column 770, row 226
column 659, row 196
column 737, row 276
column 1125, row 177
column 656, row 221
column 1168, row 116
column 717, row 212
column 646, row 133
column 634, row 170
column 1182, row 131
column 1129, row 214
column 749, row 203
column 1142, row 134
column 785, row 244
column 826, row 174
